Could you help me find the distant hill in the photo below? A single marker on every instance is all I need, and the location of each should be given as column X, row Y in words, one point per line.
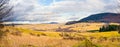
column 101, row 17
column 53, row 23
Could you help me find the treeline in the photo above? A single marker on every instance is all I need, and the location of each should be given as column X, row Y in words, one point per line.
column 110, row 28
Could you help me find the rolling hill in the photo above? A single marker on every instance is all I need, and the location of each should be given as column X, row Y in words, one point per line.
column 101, row 17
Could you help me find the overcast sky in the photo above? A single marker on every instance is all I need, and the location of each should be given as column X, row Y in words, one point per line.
column 59, row 10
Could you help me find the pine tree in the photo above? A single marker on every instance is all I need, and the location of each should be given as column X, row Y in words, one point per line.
column 119, row 29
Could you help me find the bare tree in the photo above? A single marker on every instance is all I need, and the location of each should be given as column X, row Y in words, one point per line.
column 5, row 9
column 118, row 6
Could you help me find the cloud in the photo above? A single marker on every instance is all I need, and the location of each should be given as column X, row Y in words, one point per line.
column 77, row 6
column 59, row 10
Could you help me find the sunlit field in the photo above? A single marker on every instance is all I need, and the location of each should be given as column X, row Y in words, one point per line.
column 59, row 35
column 59, row 23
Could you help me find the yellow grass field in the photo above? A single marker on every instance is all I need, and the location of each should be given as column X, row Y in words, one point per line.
column 58, row 35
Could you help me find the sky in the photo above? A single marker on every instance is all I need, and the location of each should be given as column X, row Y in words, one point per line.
column 59, row 10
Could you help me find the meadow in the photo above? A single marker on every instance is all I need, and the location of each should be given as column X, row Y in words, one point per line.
column 59, row 35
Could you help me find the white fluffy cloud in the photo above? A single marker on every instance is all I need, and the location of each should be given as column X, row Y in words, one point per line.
column 77, row 6
column 60, row 11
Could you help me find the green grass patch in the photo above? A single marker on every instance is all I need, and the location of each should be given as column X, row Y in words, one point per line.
column 93, row 31
column 40, row 33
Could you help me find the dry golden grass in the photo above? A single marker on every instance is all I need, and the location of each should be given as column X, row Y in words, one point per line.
column 52, row 27
column 35, row 36
column 43, row 41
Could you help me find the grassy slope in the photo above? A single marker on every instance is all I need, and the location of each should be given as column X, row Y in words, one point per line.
column 53, row 39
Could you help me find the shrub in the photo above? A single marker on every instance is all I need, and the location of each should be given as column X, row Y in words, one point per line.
column 86, row 43
column 32, row 34
column 38, row 35
column 17, row 33
column 1, row 26
column 43, row 34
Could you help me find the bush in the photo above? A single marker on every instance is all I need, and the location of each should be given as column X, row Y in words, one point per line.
column 32, row 34
column 17, row 33
column 43, row 34
column 86, row 43
column 38, row 35
column 1, row 26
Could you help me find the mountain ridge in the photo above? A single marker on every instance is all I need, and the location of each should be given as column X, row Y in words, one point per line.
column 101, row 17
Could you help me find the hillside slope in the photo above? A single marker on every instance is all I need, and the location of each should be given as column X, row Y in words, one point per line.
column 101, row 17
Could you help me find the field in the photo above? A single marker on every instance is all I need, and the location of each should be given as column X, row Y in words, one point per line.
column 59, row 35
